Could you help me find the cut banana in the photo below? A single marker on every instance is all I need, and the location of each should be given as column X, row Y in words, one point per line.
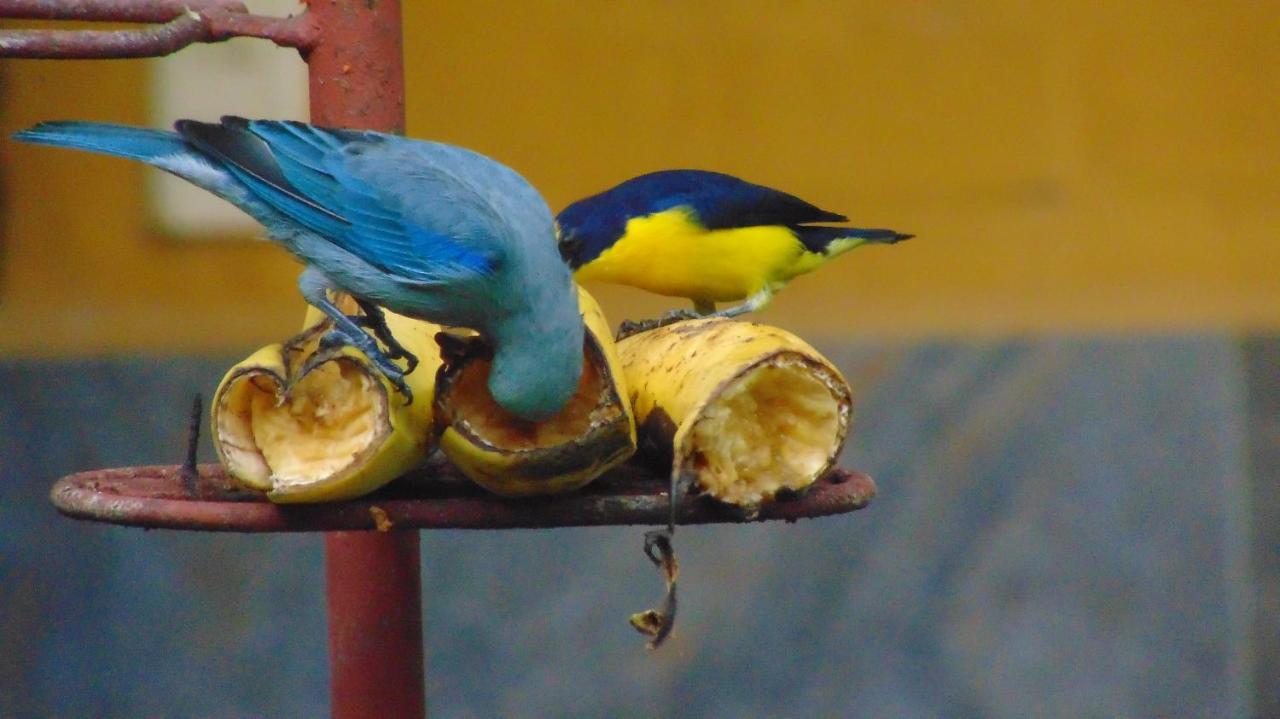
column 746, row 409
column 515, row 457
column 337, row 432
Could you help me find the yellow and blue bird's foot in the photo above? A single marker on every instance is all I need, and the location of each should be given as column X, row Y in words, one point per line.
column 701, row 310
column 374, row 320
column 631, row 327
column 673, row 316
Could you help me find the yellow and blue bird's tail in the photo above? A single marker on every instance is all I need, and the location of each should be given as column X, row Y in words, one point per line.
column 833, row 241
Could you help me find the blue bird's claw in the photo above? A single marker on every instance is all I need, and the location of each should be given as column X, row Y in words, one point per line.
column 347, row 332
column 375, row 321
column 397, row 381
column 336, row 339
column 410, row 360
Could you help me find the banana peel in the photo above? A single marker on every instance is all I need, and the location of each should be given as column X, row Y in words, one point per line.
column 333, row 431
column 744, row 409
column 517, row 458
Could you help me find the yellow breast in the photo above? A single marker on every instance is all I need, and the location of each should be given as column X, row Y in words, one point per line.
column 670, row 254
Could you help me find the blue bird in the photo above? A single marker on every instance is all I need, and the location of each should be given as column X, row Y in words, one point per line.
column 426, row 230
column 703, row 235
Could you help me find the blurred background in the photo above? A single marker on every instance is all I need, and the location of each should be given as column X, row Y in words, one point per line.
column 1068, row 384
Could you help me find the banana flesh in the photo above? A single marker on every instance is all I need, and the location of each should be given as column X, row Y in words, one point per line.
column 336, row 432
column 744, row 409
column 515, row 458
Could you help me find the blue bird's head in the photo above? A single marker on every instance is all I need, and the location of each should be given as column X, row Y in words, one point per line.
column 529, row 309
column 537, row 363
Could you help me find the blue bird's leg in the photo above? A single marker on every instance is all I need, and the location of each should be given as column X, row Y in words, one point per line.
column 376, row 322
column 315, row 287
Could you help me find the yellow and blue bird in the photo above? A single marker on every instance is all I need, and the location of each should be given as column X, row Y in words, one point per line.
column 706, row 236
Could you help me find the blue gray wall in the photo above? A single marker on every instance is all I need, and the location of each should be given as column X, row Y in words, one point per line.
column 1065, row 528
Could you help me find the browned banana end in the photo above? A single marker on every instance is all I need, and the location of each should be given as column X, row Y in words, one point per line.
column 335, row 432
column 515, row 457
column 749, row 410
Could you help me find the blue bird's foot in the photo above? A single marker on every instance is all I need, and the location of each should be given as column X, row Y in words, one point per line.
column 375, row 321
column 335, row 340
column 346, row 332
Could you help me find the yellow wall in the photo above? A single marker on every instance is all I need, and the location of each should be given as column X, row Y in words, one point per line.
column 1068, row 166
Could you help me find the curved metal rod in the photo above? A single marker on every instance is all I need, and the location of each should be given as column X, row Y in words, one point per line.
column 153, row 11
column 179, row 23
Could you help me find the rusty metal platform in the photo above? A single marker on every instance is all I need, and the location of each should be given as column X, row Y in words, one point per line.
column 434, row 497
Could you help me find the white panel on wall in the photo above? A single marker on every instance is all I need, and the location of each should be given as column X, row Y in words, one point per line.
column 244, row 76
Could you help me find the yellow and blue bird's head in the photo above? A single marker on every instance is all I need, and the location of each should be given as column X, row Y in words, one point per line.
column 707, row 236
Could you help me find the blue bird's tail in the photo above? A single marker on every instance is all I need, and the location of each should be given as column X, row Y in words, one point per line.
column 136, row 143
column 836, row 240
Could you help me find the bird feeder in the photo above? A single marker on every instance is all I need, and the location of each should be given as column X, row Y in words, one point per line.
column 353, row 49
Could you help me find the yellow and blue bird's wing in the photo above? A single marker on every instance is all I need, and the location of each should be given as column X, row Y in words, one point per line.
column 705, row 235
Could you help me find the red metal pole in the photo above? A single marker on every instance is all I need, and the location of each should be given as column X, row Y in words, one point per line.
column 357, row 64
column 374, row 583
column 375, row 624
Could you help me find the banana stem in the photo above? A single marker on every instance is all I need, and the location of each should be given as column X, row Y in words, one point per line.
column 658, row 623
column 659, row 547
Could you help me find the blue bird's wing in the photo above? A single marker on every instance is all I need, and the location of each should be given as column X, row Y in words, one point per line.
column 714, row 200
column 363, row 191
